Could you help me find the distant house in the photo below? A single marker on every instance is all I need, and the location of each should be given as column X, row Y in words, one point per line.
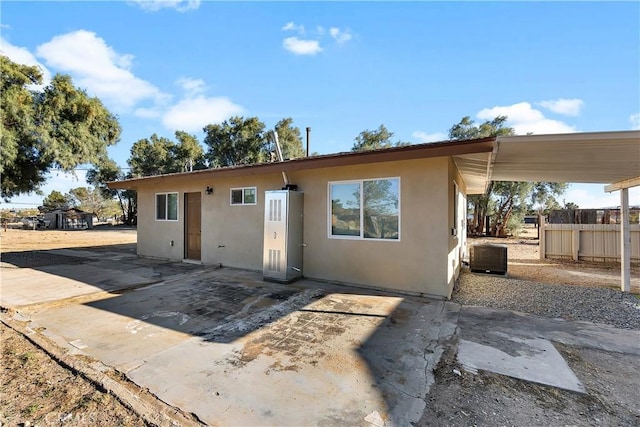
column 69, row 219
column 392, row 218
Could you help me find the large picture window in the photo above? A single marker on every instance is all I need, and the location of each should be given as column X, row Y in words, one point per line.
column 167, row 206
column 243, row 196
column 365, row 209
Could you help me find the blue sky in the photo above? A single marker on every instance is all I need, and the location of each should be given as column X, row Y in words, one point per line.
column 340, row 67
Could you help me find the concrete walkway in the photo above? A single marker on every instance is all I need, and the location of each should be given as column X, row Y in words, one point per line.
column 235, row 350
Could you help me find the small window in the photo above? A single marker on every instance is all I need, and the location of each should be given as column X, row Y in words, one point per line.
column 167, row 206
column 243, row 196
column 367, row 209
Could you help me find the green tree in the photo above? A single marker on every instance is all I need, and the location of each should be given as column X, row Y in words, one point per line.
column 289, row 139
column 91, row 200
column 373, row 139
column 109, row 171
column 152, row 156
column 55, row 201
column 159, row 155
column 237, row 141
column 59, row 127
column 544, row 195
column 188, row 154
column 467, row 129
column 570, row 205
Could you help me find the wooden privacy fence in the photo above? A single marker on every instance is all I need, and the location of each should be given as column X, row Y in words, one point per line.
column 595, row 242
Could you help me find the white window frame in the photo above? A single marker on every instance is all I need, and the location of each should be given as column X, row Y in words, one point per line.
column 255, row 191
column 361, row 236
column 166, row 206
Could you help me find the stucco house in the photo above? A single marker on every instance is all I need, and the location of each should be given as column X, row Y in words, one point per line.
column 391, row 218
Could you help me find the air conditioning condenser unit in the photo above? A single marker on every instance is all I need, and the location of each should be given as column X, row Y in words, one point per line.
column 488, row 258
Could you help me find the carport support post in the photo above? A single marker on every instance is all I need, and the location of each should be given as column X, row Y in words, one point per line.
column 625, row 242
column 625, row 230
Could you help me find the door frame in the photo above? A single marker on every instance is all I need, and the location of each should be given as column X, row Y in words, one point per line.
column 186, row 226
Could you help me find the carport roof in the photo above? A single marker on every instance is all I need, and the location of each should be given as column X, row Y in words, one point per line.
column 591, row 157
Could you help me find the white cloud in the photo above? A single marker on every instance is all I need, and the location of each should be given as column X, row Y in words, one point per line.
column 193, row 113
column 339, row 35
column 21, row 55
column 291, row 26
column 524, row 119
column 148, row 113
column 194, row 110
column 156, row 5
column 98, row 68
column 569, row 107
column 635, row 121
column 301, row 47
column 309, row 46
column 192, row 86
column 424, row 137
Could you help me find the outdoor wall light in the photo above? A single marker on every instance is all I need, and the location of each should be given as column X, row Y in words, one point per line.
column 209, row 190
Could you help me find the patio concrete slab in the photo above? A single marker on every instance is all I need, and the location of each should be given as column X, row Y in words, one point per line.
column 335, row 361
column 235, row 350
column 37, row 286
column 63, row 274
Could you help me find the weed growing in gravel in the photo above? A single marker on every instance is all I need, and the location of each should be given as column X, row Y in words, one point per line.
column 26, row 357
column 31, row 409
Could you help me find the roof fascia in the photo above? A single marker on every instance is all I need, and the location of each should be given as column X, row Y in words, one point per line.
column 445, row 149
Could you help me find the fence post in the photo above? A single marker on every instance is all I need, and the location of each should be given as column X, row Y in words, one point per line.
column 575, row 243
column 542, row 237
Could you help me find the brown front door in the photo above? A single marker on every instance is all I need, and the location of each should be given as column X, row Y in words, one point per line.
column 192, row 226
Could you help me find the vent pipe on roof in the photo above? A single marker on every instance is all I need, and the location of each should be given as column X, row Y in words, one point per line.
column 308, row 133
column 280, row 158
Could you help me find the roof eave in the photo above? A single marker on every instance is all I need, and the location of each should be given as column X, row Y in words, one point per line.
column 439, row 149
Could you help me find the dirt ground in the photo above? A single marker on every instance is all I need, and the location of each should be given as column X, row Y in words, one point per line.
column 461, row 398
column 15, row 239
column 36, row 390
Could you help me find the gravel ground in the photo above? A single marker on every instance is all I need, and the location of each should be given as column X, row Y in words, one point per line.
column 593, row 304
column 583, row 291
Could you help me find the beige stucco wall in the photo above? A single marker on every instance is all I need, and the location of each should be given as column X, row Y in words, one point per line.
column 457, row 241
column 425, row 260
column 231, row 235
